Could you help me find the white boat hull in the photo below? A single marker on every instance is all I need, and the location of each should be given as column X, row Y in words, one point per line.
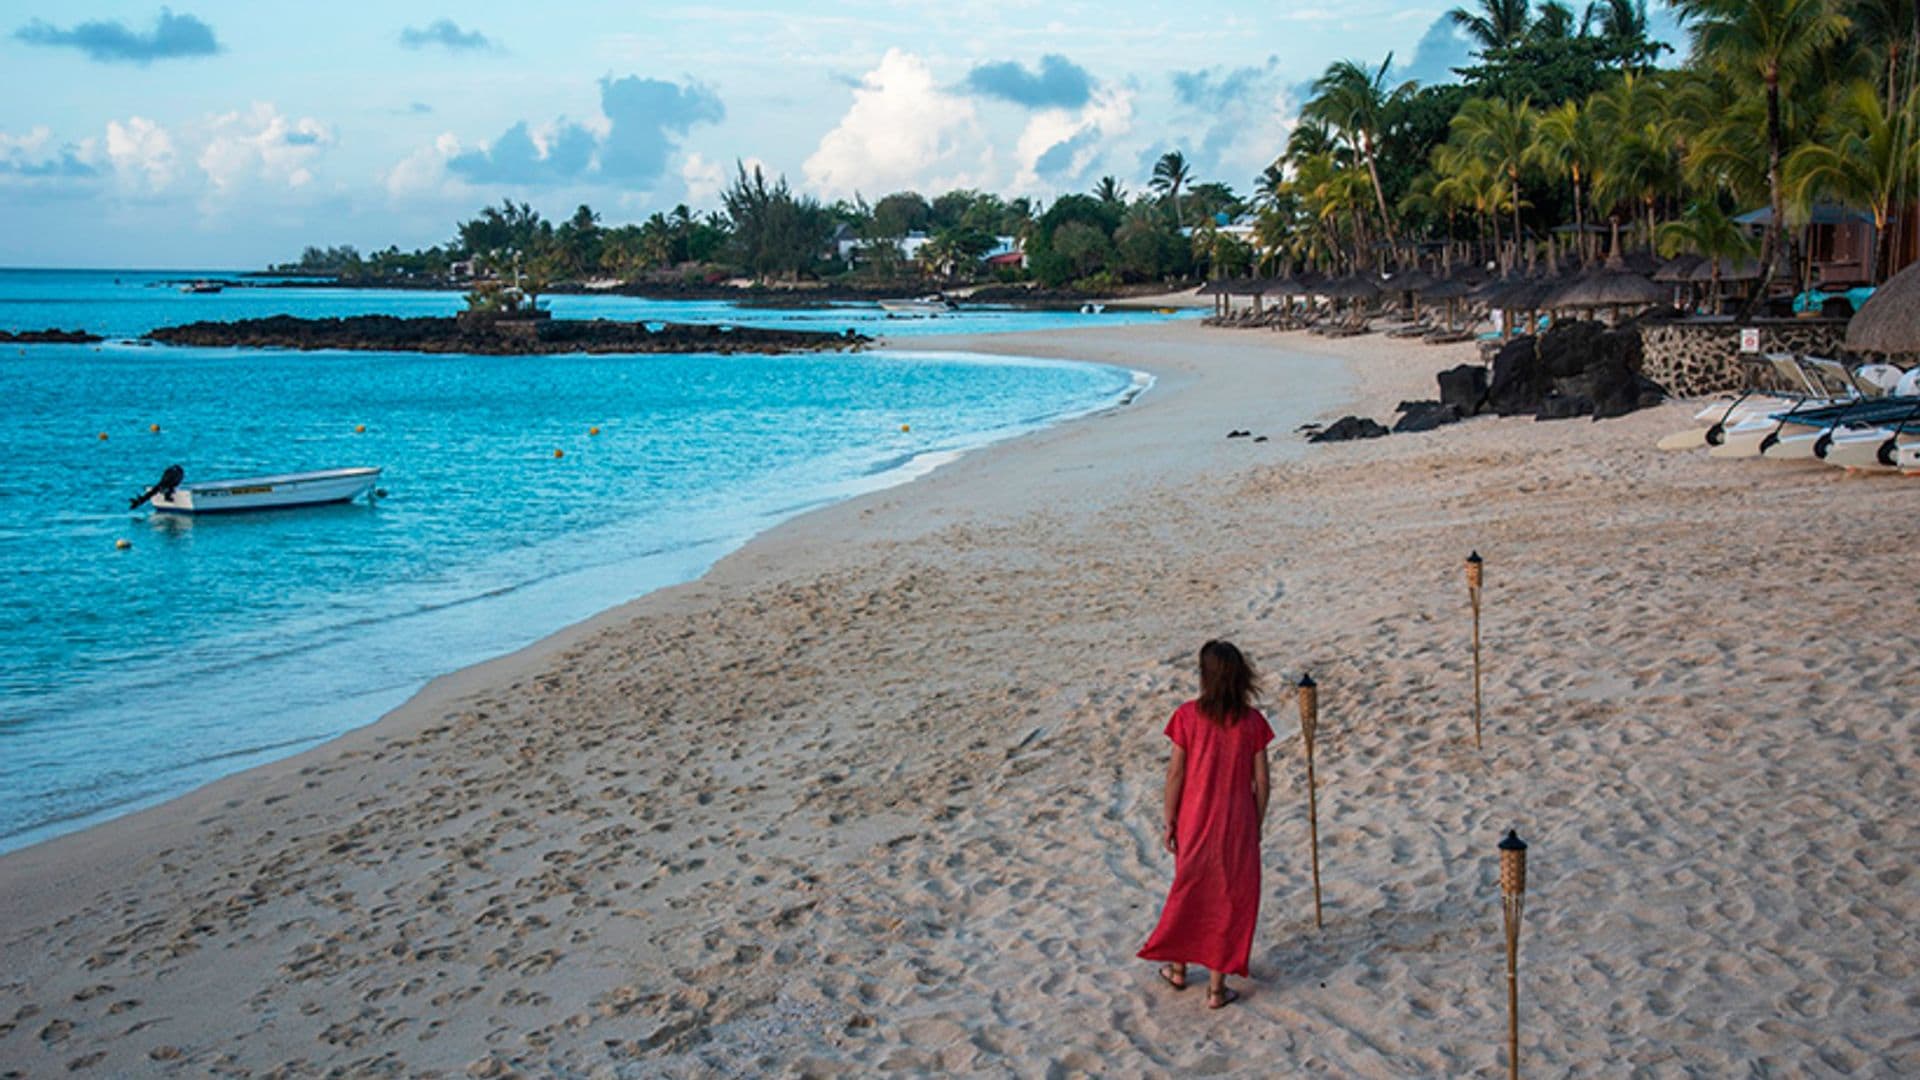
column 268, row 492
column 1861, row 450
column 917, row 308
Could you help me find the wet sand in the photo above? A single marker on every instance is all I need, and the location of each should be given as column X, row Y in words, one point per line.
column 880, row 792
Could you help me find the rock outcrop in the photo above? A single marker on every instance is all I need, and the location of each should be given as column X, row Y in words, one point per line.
column 501, row 337
column 48, row 337
column 1574, row 369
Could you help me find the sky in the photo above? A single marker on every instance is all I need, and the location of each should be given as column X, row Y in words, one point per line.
column 233, row 134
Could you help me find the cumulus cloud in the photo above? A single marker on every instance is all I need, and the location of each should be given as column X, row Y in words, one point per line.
column 640, row 125
column 34, row 156
column 111, row 41
column 261, row 146
column 703, row 180
column 901, row 131
column 141, row 152
column 1057, row 83
column 448, row 35
column 424, row 171
column 1242, row 115
column 1442, row 48
column 1218, row 88
column 1062, row 148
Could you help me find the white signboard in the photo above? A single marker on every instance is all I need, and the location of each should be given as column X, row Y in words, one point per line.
column 1750, row 340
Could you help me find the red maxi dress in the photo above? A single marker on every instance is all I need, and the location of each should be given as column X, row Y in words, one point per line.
column 1215, row 897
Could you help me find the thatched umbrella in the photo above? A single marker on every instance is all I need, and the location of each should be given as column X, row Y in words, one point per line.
column 1718, row 271
column 1351, row 287
column 1410, row 282
column 1676, row 271
column 1889, row 322
column 1612, row 286
column 1450, row 290
column 1217, row 290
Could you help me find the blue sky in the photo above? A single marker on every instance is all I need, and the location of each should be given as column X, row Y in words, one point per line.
column 234, row 133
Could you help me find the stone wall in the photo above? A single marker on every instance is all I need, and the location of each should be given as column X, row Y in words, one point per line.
column 1693, row 358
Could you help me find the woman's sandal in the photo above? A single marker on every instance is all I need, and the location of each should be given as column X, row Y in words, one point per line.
column 1220, row 999
column 1173, row 977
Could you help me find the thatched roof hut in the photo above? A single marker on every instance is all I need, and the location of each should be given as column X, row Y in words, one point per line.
column 1889, row 322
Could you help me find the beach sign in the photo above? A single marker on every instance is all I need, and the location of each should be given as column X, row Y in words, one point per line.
column 1750, row 340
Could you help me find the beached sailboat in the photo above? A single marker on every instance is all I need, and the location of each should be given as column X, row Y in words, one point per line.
column 276, row 492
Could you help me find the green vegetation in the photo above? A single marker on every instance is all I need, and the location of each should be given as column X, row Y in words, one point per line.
column 1783, row 104
column 1562, row 123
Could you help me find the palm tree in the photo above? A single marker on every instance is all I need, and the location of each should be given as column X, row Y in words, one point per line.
column 1623, row 24
column 1706, row 231
column 1110, row 192
column 1770, row 42
column 1887, row 29
column 1353, row 100
column 1861, row 161
column 1555, row 22
column 1567, row 141
column 1499, row 24
column 1500, row 133
column 1170, row 174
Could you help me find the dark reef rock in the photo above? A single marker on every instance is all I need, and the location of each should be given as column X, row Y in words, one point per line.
column 48, row 337
column 1348, row 428
column 1425, row 415
column 499, row 337
column 1464, row 388
column 1574, row 369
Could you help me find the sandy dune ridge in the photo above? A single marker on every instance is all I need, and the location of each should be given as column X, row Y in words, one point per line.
column 881, row 791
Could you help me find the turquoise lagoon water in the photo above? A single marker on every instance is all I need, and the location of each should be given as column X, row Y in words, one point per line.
column 214, row 644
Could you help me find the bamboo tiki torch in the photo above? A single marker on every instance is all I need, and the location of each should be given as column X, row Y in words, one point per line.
column 1308, row 694
column 1475, row 574
column 1513, row 899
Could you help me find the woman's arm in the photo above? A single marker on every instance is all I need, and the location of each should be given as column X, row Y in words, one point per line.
column 1170, row 806
column 1262, row 786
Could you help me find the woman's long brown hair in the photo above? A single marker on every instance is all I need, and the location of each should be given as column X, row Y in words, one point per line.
column 1228, row 683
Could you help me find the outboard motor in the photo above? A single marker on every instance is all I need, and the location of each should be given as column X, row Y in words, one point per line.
column 169, row 480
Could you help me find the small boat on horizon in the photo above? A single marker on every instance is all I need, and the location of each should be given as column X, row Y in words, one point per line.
column 277, row 492
column 202, row 286
column 919, row 307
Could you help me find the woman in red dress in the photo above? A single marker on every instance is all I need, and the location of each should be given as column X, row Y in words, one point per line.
column 1216, row 803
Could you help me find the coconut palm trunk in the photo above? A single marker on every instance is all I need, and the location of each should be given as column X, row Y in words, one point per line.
column 1776, row 229
column 1379, row 194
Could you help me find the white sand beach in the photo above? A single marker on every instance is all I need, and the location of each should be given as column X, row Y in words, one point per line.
column 880, row 792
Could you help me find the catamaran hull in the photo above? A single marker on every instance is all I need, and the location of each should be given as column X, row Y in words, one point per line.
column 1867, row 450
column 1726, row 415
column 268, row 492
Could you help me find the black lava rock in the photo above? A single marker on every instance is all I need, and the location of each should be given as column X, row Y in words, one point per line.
column 1425, row 416
column 1348, row 428
column 1574, row 369
column 1464, row 388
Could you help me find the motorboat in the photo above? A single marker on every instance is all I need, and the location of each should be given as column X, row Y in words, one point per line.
column 920, row 307
column 202, row 287
column 279, row 491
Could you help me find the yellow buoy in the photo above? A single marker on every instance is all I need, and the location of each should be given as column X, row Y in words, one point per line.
column 359, row 429
column 906, row 427
column 122, row 544
column 155, row 428
column 103, row 436
column 593, row 431
column 559, row 453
